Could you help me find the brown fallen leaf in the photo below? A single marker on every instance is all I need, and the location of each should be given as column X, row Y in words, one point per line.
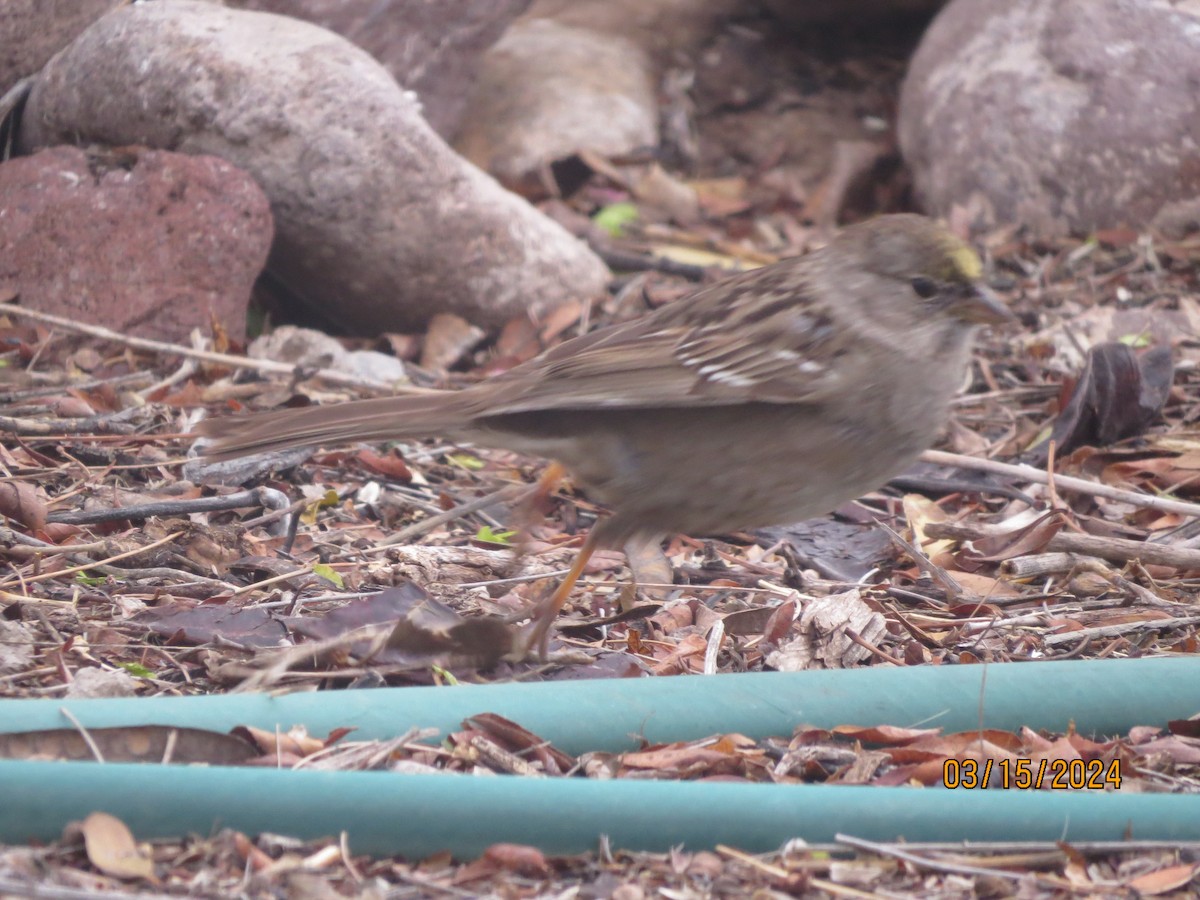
column 519, row 858
column 20, row 502
column 1118, row 394
column 111, row 848
column 884, row 734
column 1172, row 878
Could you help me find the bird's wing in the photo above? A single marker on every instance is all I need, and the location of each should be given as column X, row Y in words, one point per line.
column 758, row 336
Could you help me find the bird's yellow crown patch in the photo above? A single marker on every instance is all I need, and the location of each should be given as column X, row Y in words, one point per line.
column 965, row 260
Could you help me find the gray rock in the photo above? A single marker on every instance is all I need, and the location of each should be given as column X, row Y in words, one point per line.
column 550, row 90
column 90, row 683
column 574, row 75
column 1062, row 115
column 315, row 349
column 379, row 224
column 31, row 31
column 431, row 47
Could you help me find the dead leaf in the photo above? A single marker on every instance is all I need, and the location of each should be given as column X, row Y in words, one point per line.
column 1030, row 537
column 884, row 734
column 448, row 338
column 1172, row 878
column 822, row 640
column 111, row 848
column 390, row 465
column 519, row 858
column 918, row 512
column 20, row 501
column 295, row 743
column 516, row 739
column 189, row 624
column 1118, row 394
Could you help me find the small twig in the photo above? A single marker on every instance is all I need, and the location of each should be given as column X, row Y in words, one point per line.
column 426, row 525
column 1079, row 485
column 224, row 359
column 266, row 497
column 937, row 573
column 872, row 649
column 939, row 865
column 1051, row 493
column 83, row 733
column 177, row 578
column 35, row 546
column 49, row 390
column 186, row 369
column 47, row 575
column 1103, row 631
column 111, row 424
column 1075, row 652
column 1114, row 549
column 276, row 514
column 30, row 547
column 712, row 650
column 40, row 890
column 637, row 262
column 274, row 579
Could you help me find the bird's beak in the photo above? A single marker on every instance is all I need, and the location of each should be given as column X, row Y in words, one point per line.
column 980, row 306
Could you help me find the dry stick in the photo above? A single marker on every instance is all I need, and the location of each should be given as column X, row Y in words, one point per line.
column 225, row 359
column 1079, row 485
column 939, row 865
column 266, row 497
column 111, row 559
column 1120, row 550
column 110, row 423
column 49, row 390
column 1103, row 631
column 84, row 733
column 32, row 548
column 952, row 588
column 425, row 525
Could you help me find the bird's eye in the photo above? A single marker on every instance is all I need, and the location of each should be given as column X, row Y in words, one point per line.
column 924, row 287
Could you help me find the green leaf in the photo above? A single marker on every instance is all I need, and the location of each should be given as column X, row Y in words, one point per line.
column 137, row 670
column 488, row 536
column 90, row 580
column 466, row 461
column 328, row 573
column 614, row 217
column 1136, row 341
column 326, row 500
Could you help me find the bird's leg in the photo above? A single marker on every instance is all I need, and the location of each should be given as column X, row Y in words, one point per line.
column 528, row 513
column 537, row 634
column 549, row 481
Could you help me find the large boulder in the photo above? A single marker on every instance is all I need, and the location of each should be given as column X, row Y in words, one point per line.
column 32, row 31
column 431, row 47
column 379, row 224
column 1062, row 115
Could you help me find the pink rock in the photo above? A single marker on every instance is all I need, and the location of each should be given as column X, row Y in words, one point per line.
column 145, row 242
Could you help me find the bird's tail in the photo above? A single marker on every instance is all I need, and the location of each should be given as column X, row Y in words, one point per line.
column 417, row 415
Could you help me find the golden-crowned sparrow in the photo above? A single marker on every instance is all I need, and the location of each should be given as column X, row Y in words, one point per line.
column 766, row 398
